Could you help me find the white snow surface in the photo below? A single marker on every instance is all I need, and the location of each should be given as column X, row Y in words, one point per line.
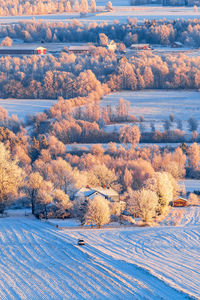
column 156, row 106
column 24, row 107
column 121, row 12
column 38, row 261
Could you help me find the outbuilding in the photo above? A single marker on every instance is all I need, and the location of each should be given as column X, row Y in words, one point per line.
column 179, row 202
column 16, row 50
column 140, row 47
column 79, row 49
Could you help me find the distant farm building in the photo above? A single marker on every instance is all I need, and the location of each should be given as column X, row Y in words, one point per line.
column 80, row 49
column 112, row 46
column 165, row 2
column 177, row 45
column 88, row 193
column 180, row 202
column 140, row 47
column 22, row 51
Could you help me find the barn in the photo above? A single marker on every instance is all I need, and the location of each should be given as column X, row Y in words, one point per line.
column 140, row 47
column 79, row 49
column 179, row 202
column 16, row 50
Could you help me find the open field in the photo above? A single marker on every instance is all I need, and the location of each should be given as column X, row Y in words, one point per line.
column 120, row 13
column 156, row 105
column 22, row 108
column 39, row 262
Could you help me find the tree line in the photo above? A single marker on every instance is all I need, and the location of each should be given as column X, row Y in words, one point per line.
column 73, row 76
column 39, row 7
column 163, row 32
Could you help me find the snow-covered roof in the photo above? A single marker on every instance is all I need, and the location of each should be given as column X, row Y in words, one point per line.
column 84, row 192
column 107, row 191
column 80, row 48
column 181, row 198
column 88, row 191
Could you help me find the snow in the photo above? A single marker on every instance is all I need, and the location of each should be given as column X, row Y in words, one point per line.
column 38, row 261
column 85, row 147
column 191, row 184
column 22, row 108
column 121, row 13
column 183, row 216
column 156, row 105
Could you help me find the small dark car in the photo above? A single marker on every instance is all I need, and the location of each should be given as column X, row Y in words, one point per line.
column 81, row 242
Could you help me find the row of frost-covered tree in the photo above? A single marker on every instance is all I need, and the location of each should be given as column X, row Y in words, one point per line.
column 162, row 32
column 71, row 76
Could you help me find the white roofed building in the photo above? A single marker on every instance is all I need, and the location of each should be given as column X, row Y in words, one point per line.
column 88, row 193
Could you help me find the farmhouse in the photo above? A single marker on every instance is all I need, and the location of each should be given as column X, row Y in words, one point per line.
column 179, row 202
column 17, row 50
column 88, row 193
column 140, row 47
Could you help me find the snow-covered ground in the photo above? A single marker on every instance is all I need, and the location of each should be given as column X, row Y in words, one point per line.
column 191, row 185
column 183, row 216
column 156, row 105
column 22, row 108
column 121, row 13
column 86, row 147
column 37, row 261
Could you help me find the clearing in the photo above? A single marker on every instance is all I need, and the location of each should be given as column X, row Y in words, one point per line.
column 156, row 106
column 24, row 107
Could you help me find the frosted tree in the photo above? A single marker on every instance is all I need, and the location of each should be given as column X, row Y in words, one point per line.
column 68, row 7
column 84, row 6
column 76, row 6
column 162, row 184
column 93, row 5
column 146, row 202
column 33, row 186
column 130, row 134
column 62, row 200
column 193, row 156
column 109, row 6
column 7, row 42
column 103, row 39
column 10, row 179
column 100, row 175
column 98, row 212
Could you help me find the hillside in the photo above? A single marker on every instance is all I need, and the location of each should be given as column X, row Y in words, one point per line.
column 40, row 262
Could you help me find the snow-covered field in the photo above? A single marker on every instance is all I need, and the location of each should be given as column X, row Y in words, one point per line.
column 121, row 13
column 191, row 185
column 156, row 105
column 37, row 261
column 22, row 108
column 85, row 147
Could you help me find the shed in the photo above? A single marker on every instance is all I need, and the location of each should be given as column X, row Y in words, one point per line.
column 179, row 202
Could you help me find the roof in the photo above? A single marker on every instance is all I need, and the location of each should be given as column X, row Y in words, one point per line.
column 84, row 192
column 139, row 45
column 181, row 198
column 107, row 191
column 21, row 47
column 80, row 48
column 88, row 191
